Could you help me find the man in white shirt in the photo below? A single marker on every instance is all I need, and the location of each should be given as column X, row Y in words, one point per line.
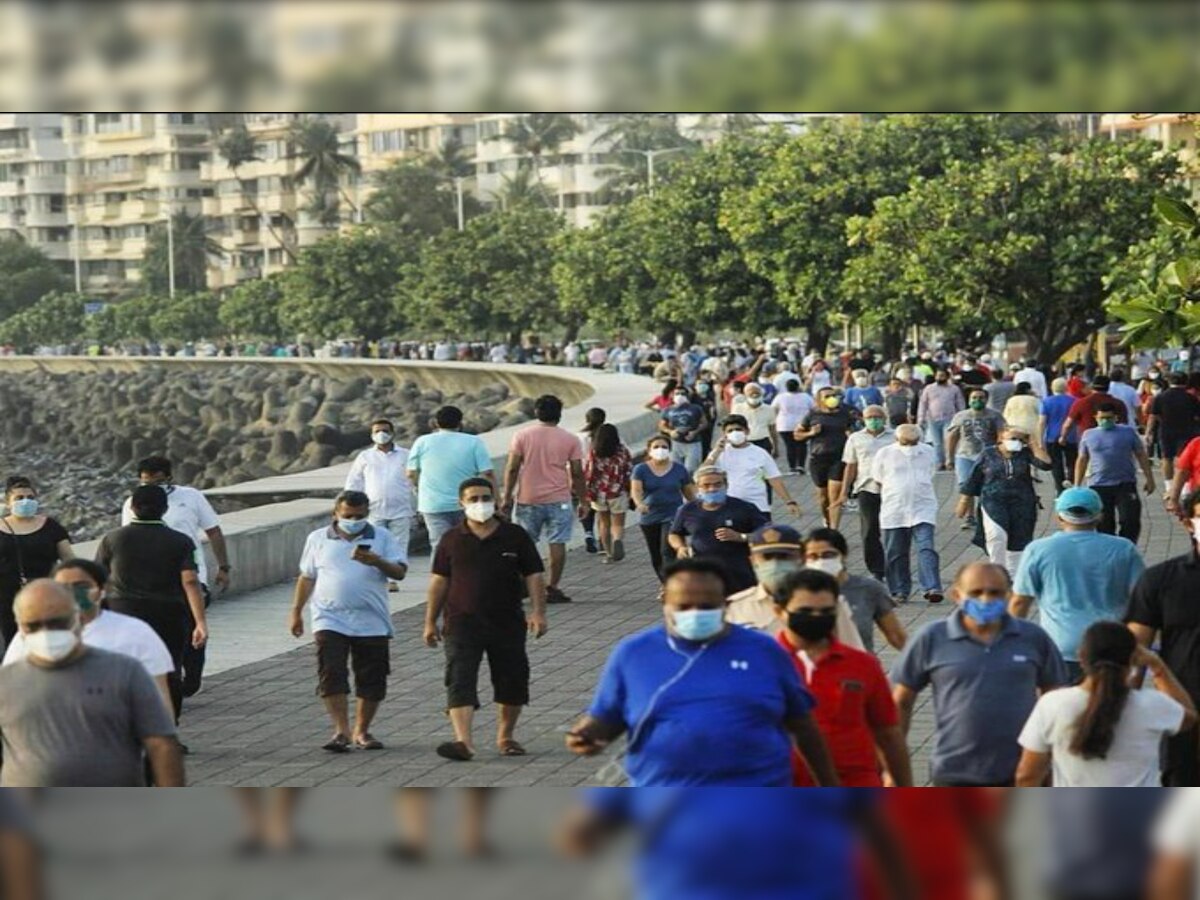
column 105, row 629
column 908, row 512
column 498, row 353
column 189, row 513
column 1031, row 376
column 382, row 474
column 749, row 469
column 443, row 352
column 859, row 456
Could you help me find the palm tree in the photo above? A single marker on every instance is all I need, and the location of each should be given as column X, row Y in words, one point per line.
column 522, row 188
column 323, row 165
column 452, row 160
column 236, row 146
column 193, row 248
column 629, row 139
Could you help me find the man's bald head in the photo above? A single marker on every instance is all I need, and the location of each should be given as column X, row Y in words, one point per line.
column 44, row 599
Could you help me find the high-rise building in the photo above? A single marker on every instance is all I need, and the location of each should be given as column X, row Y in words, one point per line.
column 1178, row 132
column 33, row 183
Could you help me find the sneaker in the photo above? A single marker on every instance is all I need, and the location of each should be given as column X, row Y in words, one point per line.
column 801, row 471
column 899, row 599
column 589, row 544
column 934, row 596
column 618, row 551
column 1067, row 484
column 967, row 525
column 555, row 595
column 191, row 692
column 851, row 506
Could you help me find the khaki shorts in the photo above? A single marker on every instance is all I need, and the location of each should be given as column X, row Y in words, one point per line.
column 618, row 504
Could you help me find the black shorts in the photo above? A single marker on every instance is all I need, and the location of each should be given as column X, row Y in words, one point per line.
column 824, row 469
column 1172, row 445
column 369, row 657
column 465, row 646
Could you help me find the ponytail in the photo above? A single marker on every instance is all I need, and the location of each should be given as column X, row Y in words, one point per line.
column 1105, row 653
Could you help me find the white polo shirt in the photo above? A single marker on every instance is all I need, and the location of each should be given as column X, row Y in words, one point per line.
column 861, row 448
column 189, row 513
column 748, row 467
column 383, row 477
column 349, row 597
column 116, row 633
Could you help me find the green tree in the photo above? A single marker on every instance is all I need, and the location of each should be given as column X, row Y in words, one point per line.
column 535, row 136
column 414, row 198
column 187, row 317
column 57, row 318
column 252, row 308
column 235, row 145
column 344, row 285
column 193, row 249
column 26, row 275
column 523, row 188
column 628, row 140
column 315, row 143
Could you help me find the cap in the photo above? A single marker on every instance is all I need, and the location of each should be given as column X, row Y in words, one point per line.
column 775, row 537
column 1079, row 505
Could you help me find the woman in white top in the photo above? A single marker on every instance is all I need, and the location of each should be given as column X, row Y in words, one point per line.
column 1102, row 733
column 791, row 406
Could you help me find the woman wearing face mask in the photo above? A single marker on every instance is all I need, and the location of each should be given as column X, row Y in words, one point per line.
column 30, row 544
column 1002, row 479
column 659, row 487
column 664, row 398
column 826, row 430
column 705, row 396
column 1102, row 733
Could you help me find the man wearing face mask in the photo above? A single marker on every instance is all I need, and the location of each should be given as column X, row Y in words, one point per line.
column 776, row 551
column 855, row 710
column 718, row 526
column 753, row 406
column 969, row 433
column 344, row 571
column 481, row 571
column 1107, row 454
column 868, row 601
column 684, row 423
column 937, row 405
column 76, row 716
column 987, row 670
column 752, row 471
column 826, row 430
column 382, row 474
column 704, row 703
column 863, row 393
column 858, row 457
column 908, row 510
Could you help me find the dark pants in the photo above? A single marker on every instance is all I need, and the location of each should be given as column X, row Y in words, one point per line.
column 1183, row 760
column 1121, row 501
column 369, row 657
column 193, row 658
column 466, row 642
column 661, row 551
column 8, row 618
column 765, row 444
column 589, row 523
column 1062, row 462
column 872, row 538
column 171, row 622
column 797, row 451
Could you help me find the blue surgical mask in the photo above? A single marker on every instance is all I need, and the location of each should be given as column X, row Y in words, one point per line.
column 24, row 508
column 698, row 624
column 716, row 498
column 984, row 611
column 352, row 526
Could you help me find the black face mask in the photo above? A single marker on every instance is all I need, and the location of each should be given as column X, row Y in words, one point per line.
column 812, row 627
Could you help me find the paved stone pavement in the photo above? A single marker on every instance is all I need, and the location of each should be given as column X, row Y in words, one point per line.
column 260, row 724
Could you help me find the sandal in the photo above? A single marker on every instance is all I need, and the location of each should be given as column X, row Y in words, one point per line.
column 455, row 750
column 339, row 744
column 511, row 748
column 367, row 742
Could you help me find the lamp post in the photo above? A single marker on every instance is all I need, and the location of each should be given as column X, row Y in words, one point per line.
column 170, row 253
column 650, row 155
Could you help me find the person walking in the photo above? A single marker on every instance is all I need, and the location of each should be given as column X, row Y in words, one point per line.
column 1022, row 410
column 1077, row 577
column 438, row 463
column 899, row 401
column 759, row 416
column 826, row 430
column 791, row 407
column 482, row 570
column 986, row 670
column 76, row 716
column 684, row 422
column 592, row 420
column 869, row 603
column 1061, row 443
column 544, row 473
column 606, row 474
column 999, row 390
column 752, row 471
column 908, row 513
column 968, row 434
column 717, row 525
column 1083, row 410
column 344, row 571
column 858, row 456
column 189, row 513
column 382, row 474
column 1030, row 374
column 937, row 405
column 658, row 488
column 31, row 542
column 704, row 703
column 1107, row 454
column 1174, row 420
column 1101, row 733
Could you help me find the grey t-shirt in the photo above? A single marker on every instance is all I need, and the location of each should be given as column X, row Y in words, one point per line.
column 79, row 725
column 976, row 430
column 869, row 602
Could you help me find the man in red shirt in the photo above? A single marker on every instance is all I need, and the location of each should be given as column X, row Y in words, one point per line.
column 1187, row 472
column 1083, row 410
column 855, row 712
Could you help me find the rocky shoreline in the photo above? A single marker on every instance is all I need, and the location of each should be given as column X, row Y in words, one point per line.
column 78, row 436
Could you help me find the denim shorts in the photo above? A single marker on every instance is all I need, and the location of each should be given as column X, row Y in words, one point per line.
column 555, row 520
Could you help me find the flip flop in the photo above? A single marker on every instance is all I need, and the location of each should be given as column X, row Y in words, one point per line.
column 455, row 750
column 511, row 748
column 367, row 742
column 339, row 744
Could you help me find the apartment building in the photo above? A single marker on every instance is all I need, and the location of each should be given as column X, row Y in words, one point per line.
column 33, row 183
column 1175, row 131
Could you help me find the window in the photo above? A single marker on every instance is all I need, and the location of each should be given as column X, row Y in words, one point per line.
column 58, row 203
column 190, row 161
column 113, row 123
column 489, row 129
column 248, row 223
column 275, row 256
column 187, row 119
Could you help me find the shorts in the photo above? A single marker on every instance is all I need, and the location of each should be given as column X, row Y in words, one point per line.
column 465, row 646
column 368, row 655
column 556, row 520
column 1172, row 445
column 617, row 504
column 824, row 469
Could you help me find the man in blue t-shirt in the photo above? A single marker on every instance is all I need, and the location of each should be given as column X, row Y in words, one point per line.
column 717, row 525
column 684, row 423
column 1110, row 449
column 703, row 702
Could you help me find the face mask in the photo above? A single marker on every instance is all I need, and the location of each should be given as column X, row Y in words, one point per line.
column 698, row 624
column 382, row 437
column 702, row 388
column 352, row 526
column 874, row 424
column 860, row 382
column 978, row 404
column 737, row 438
column 680, row 399
column 1107, row 424
column 754, row 401
column 716, row 498
column 1013, row 446
column 812, row 627
column 832, row 402
column 829, row 566
column 51, row 645
column 984, row 611
column 772, row 572
column 83, row 598
column 480, row 512
column 24, row 508
column 661, row 454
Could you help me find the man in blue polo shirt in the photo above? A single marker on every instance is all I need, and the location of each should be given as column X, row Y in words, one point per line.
column 704, row 702
column 987, row 670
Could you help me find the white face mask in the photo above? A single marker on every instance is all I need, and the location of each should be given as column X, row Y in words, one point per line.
column 382, row 437
column 51, row 645
column 1013, row 446
column 754, row 400
column 662, row 454
column 737, row 438
column 480, row 512
column 828, row 566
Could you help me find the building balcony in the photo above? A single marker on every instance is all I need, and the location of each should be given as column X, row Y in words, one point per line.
column 35, row 219
column 46, row 184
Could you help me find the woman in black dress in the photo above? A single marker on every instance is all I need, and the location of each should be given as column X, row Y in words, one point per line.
column 30, row 545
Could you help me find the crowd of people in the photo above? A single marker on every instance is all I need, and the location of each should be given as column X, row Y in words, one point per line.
column 763, row 671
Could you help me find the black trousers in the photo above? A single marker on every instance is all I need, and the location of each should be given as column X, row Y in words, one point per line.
column 1062, row 463
column 170, row 621
column 797, row 451
column 765, row 444
column 872, row 539
column 1121, row 502
column 661, row 551
column 193, row 658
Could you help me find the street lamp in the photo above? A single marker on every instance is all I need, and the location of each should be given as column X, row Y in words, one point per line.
column 458, row 194
column 650, row 154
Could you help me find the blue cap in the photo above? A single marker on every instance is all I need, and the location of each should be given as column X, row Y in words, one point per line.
column 1079, row 505
column 776, row 537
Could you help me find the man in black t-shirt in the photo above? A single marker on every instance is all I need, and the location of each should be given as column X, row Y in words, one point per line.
column 718, row 526
column 1175, row 415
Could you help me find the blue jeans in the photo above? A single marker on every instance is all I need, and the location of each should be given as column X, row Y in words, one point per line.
column 557, row 520
column 438, row 523
column 896, row 545
column 935, row 433
column 687, row 454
